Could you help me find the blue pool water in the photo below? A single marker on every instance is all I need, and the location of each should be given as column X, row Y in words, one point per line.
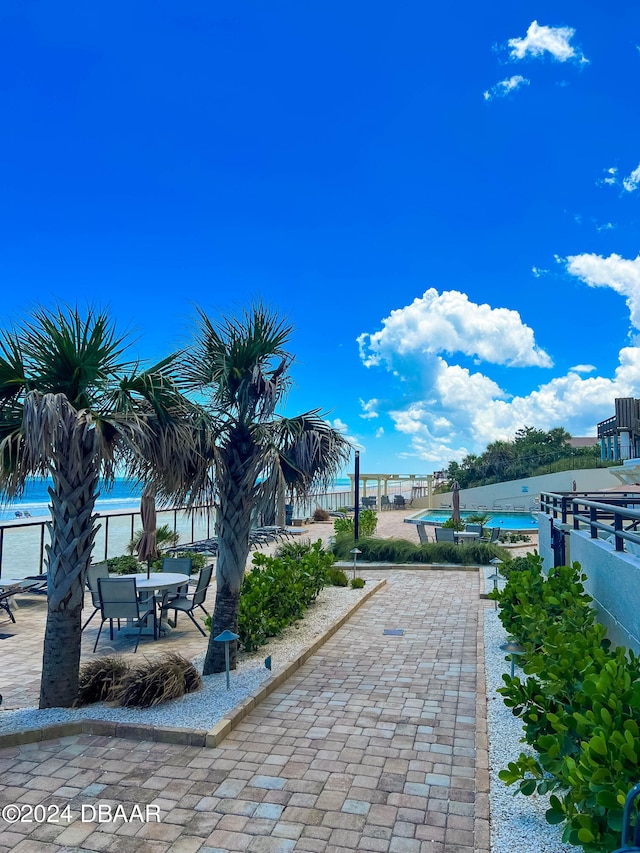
column 505, row 520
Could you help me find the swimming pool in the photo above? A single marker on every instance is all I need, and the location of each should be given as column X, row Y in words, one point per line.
column 497, row 518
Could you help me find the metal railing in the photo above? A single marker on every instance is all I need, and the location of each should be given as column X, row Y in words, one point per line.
column 23, row 541
column 613, row 514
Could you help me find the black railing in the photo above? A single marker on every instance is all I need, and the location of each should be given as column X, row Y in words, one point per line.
column 613, row 514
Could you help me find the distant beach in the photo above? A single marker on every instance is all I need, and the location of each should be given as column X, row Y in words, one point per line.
column 25, row 537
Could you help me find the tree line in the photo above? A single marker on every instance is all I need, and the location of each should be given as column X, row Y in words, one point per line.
column 531, row 452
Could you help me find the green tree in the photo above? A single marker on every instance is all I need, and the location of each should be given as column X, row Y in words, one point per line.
column 71, row 409
column 240, row 367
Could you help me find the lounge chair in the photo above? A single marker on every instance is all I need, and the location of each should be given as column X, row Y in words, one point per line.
column 5, row 601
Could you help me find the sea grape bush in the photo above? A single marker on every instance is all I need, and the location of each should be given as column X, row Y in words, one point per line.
column 367, row 523
column 277, row 591
column 579, row 704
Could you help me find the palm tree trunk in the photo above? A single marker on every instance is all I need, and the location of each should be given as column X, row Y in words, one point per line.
column 72, row 531
column 236, row 505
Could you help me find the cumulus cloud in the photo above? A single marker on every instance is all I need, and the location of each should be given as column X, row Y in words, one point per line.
column 632, row 181
column 504, row 87
column 448, row 323
column 610, row 176
column 369, row 408
column 555, row 41
column 615, row 272
column 447, row 411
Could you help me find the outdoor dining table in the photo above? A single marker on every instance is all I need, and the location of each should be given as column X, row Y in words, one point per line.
column 156, row 582
column 466, row 536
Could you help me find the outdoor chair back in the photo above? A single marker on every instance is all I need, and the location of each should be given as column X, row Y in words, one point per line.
column 445, row 534
column 119, row 600
column 188, row 603
column 180, row 565
column 98, row 570
column 474, row 528
column 385, row 503
column 422, row 534
column 495, row 534
column 399, row 501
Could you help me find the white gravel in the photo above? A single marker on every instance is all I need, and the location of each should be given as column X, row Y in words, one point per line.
column 517, row 822
column 204, row 709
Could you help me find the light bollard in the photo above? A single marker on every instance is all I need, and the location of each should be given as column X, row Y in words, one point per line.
column 226, row 637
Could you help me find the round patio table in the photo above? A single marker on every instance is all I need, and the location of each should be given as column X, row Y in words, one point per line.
column 156, row 582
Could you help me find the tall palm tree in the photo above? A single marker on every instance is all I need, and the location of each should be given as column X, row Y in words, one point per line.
column 241, row 368
column 72, row 409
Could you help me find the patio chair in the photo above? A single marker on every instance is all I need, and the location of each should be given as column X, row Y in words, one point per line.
column 474, row 528
column 385, row 503
column 445, row 534
column 99, row 570
column 422, row 534
column 495, row 534
column 399, row 502
column 188, row 603
column 119, row 600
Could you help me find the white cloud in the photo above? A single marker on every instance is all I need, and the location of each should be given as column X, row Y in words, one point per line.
column 606, row 226
column 504, row 87
column 446, row 323
column 341, row 426
column 618, row 273
column 632, row 181
column 379, row 432
column 540, row 40
column 537, row 271
column 610, row 177
column 582, row 368
column 448, row 411
column 369, row 408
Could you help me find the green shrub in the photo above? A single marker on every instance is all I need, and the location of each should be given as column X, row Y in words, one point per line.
column 99, row 678
column 198, row 560
column 157, row 680
column 295, row 550
column 357, row 583
column 479, row 518
column 451, row 524
column 579, row 704
column 402, row 551
column 125, row 565
column 367, row 523
column 336, row 577
column 277, row 592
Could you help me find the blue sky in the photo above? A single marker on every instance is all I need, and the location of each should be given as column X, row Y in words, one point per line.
column 442, row 198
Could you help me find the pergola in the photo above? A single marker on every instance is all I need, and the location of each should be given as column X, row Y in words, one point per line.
column 420, row 485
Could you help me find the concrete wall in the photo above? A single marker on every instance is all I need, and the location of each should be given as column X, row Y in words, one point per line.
column 526, row 491
column 614, row 584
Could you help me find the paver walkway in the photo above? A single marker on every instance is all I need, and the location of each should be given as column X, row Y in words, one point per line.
column 376, row 744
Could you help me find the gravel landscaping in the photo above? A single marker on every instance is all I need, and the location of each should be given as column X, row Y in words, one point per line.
column 204, row 709
column 517, row 822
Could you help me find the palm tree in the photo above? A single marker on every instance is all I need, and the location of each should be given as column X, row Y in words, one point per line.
column 241, row 368
column 71, row 409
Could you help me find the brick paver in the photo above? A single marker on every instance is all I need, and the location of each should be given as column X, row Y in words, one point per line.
column 372, row 745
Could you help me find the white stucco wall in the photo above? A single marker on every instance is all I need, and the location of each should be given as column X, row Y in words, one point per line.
column 526, row 491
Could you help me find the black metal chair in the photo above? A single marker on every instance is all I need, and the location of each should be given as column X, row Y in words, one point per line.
column 399, row 501
column 422, row 534
column 188, row 603
column 119, row 600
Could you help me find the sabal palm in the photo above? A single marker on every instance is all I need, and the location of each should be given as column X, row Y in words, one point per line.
column 71, row 409
column 241, row 367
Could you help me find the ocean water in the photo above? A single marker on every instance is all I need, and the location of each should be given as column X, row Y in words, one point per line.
column 123, row 494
